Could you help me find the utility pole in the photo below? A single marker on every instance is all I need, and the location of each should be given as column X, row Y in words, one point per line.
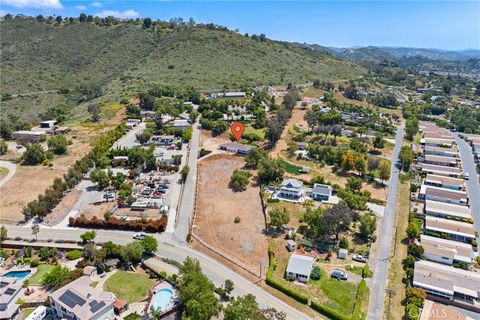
column 390, row 293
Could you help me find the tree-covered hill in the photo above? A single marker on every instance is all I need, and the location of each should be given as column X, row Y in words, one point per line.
column 38, row 56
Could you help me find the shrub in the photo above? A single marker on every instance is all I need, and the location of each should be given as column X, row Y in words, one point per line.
column 327, row 311
column 362, row 295
column 74, row 254
column 343, row 243
column 237, row 219
column 365, row 271
column 316, row 273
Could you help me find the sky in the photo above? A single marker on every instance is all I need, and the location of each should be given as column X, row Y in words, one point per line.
column 449, row 25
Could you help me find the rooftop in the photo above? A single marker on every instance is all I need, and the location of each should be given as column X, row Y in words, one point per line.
column 300, row 264
column 444, row 180
column 322, row 189
column 446, row 193
column 436, row 311
column 236, row 146
column 448, row 209
column 292, row 184
column 441, row 169
column 447, row 248
column 450, row 226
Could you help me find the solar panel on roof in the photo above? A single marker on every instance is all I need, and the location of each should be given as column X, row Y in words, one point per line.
column 95, row 306
column 71, row 299
column 10, row 291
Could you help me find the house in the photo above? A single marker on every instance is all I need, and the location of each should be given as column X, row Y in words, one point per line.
column 147, row 114
column 342, row 254
column 454, row 230
column 79, row 300
column 346, row 133
column 119, row 306
column 438, row 142
column 24, row 136
column 236, row 147
column 299, row 267
column 321, row 192
column 447, row 210
column 89, row 271
column 302, row 145
column 443, row 195
column 446, row 251
column 291, row 189
column 447, row 282
column 228, row 95
column 10, row 292
column 441, row 161
column 120, row 159
column 441, row 170
column 444, row 182
column 437, row 311
column 49, row 124
column 439, row 151
column 181, row 124
column 291, row 245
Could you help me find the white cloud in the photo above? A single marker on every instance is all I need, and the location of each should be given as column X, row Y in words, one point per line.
column 51, row 4
column 96, row 4
column 80, row 7
column 127, row 14
column 3, row 13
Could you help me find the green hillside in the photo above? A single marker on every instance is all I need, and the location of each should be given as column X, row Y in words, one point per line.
column 39, row 56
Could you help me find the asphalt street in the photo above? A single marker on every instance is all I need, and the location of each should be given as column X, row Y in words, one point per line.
column 171, row 249
column 380, row 266
column 473, row 187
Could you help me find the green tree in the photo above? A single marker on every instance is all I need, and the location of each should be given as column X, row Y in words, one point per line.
column 56, row 276
column 3, row 147
column 150, row 244
column 239, row 180
column 378, row 141
column 34, row 154
column 337, row 219
column 314, row 219
column 187, row 134
column 354, row 183
column 406, row 158
column 411, row 127
column 131, row 252
column 83, row 17
column 242, row 308
column 413, row 229
column 3, row 234
column 384, row 170
column 197, row 291
column 348, row 161
column 269, row 170
column 279, row 217
column 147, row 23
column 58, row 144
column 35, row 230
column 100, row 177
column 228, row 286
column 368, row 225
column 94, row 111
column 88, row 236
column 184, row 173
column 254, row 157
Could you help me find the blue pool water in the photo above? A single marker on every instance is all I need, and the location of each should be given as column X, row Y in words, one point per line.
column 17, row 274
column 161, row 299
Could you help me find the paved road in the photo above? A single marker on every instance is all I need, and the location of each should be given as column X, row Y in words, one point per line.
column 187, row 201
column 12, row 168
column 129, row 140
column 473, row 187
column 380, row 267
column 170, row 248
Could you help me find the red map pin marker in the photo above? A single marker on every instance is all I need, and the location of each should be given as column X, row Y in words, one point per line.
column 237, row 129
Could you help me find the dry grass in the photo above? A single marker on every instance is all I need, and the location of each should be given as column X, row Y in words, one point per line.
column 396, row 272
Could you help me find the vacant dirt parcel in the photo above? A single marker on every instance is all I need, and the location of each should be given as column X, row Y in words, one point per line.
column 216, row 209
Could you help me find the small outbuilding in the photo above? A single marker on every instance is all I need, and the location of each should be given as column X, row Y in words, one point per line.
column 342, row 254
column 291, row 245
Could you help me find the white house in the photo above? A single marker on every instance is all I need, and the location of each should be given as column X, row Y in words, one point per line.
column 321, row 192
column 299, row 267
column 79, row 300
column 291, row 189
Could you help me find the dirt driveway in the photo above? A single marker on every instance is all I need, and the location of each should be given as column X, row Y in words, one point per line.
column 298, row 119
column 217, row 206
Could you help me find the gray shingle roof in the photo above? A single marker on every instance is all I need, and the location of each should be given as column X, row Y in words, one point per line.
column 300, row 264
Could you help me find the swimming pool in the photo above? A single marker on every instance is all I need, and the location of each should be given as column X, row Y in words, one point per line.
column 17, row 274
column 161, row 299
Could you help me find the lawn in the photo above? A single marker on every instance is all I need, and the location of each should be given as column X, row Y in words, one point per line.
column 27, row 312
column 290, row 168
column 42, row 270
column 259, row 132
column 340, row 294
column 128, row 286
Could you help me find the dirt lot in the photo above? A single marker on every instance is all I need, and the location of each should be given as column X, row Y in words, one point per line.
column 60, row 211
column 30, row 181
column 210, row 142
column 297, row 119
column 217, row 206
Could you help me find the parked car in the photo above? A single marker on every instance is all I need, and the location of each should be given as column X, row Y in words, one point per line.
column 339, row 274
column 359, row 258
column 109, row 195
column 467, row 176
column 139, row 236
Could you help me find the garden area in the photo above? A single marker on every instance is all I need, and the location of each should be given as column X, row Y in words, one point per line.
column 42, row 270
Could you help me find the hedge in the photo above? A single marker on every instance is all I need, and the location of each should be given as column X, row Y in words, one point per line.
column 280, row 286
column 362, row 295
column 327, row 311
column 74, row 254
column 150, row 225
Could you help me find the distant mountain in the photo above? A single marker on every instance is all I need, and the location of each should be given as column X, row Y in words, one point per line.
column 433, row 54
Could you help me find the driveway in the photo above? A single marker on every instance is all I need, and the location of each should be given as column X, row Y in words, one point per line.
column 380, row 266
column 12, row 168
column 129, row 140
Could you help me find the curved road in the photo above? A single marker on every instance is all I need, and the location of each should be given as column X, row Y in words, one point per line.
column 168, row 247
column 12, row 168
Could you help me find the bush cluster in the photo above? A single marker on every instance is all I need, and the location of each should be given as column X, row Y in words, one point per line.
column 149, row 225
